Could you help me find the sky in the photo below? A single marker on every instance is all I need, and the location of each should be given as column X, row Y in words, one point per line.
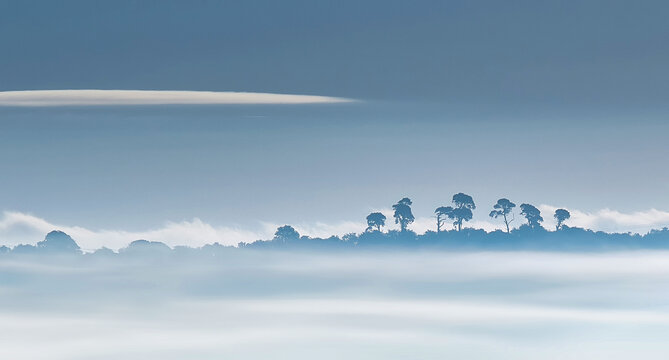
column 555, row 104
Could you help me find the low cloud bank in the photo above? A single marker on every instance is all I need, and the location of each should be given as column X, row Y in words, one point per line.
column 19, row 228
column 611, row 220
column 153, row 97
column 259, row 305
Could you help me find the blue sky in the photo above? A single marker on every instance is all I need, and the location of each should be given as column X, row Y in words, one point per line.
column 560, row 104
column 588, row 53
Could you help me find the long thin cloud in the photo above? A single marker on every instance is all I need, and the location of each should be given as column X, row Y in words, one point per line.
column 153, row 97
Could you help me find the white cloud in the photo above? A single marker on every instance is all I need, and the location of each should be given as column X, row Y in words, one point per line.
column 610, row 220
column 152, row 97
column 17, row 228
column 324, row 230
column 522, row 305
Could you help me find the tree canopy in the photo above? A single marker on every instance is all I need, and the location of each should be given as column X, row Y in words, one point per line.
column 462, row 210
column 502, row 208
column 375, row 220
column 532, row 214
column 402, row 213
column 560, row 216
column 286, row 233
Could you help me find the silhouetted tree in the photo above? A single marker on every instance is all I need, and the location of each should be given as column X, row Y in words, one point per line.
column 402, row 214
column 146, row 248
column 503, row 208
column 58, row 242
column 561, row 215
column 286, row 233
column 442, row 213
column 532, row 214
column 375, row 220
column 464, row 204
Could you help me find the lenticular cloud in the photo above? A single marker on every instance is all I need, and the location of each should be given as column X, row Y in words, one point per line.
column 153, row 97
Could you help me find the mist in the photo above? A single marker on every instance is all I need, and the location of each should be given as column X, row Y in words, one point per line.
column 259, row 304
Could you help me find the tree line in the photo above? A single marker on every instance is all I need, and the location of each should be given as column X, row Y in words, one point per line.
column 462, row 211
column 531, row 235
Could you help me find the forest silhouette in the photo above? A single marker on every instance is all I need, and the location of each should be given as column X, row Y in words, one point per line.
column 530, row 235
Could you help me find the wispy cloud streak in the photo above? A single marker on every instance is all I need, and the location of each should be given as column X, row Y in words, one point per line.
column 153, row 97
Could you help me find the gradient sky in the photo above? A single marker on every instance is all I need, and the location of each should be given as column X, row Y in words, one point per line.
column 542, row 102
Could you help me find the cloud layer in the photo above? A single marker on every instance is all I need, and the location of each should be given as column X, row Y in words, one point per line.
column 17, row 228
column 610, row 220
column 382, row 305
column 153, row 97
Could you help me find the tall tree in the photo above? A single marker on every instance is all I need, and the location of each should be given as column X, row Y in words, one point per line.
column 402, row 214
column 375, row 220
column 503, row 208
column 462, row 211
column 561, row 215
column 532, row 214
column 442, row 213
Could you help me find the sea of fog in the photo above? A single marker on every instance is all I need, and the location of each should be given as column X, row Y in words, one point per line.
column 351, row 305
